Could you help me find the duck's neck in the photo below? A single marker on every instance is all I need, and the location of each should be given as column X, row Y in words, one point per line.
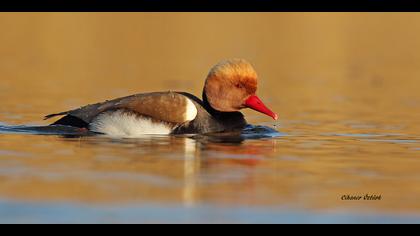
column 207, row 106
column 214, row 112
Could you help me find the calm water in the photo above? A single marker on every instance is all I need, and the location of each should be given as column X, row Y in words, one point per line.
column 346, row 88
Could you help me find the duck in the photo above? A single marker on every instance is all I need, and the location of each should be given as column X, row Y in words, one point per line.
column 230, row 86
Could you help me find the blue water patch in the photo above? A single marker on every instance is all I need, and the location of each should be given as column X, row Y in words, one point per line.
column 4, row 129
column 260, row 131
column 21, row 212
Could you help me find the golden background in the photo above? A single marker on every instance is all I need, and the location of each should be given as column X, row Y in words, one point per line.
column 325, row 74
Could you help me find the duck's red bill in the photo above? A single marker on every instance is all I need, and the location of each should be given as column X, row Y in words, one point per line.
column 256, row 104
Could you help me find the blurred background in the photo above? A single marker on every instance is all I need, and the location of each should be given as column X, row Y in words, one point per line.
column 345, row 85
column 73, row 57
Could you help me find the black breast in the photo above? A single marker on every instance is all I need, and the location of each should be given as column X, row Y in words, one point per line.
column 209, row 120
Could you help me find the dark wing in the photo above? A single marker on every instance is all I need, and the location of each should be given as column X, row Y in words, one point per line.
column 166, row 106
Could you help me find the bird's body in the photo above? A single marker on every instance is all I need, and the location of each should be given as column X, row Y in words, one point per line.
column 151, row 113
column 228, row 89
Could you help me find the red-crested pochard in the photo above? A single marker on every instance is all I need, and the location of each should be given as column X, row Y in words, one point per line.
column 230, row 86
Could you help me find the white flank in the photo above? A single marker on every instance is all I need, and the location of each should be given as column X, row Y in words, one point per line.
column 121, row 124
column 191, row 111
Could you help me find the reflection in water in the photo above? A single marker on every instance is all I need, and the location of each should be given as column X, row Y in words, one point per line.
column 191, row 171
column 218, row 148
